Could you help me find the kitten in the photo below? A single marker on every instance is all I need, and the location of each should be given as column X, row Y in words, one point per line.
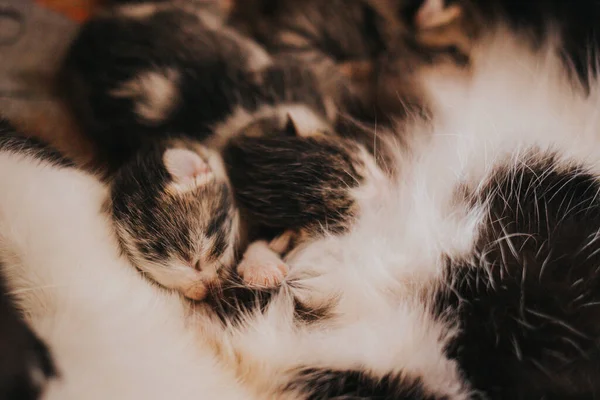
column 471, row 275
column 145, row 71
column 296, row 189
column 366, row 51
column 175, row 216
column 183, row 218
column 111, row 333
column 298, row 183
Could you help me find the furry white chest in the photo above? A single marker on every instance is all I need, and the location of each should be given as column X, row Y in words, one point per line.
column 117, row 336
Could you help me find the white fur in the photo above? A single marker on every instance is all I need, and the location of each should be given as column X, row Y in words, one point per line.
column 513, row 102
column 116, row 336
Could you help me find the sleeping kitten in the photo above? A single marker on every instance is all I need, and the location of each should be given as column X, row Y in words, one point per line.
column 105, row 325
column 25, row 361
column 365, row 51
column 178, row 220
column 141, row 72
column 175, row 216
column 296, row 189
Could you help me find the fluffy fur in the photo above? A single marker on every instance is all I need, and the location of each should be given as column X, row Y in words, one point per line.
column 175, row 217
column 364, row 51
column 463, row 234
column 146, row 71
column 84, row 299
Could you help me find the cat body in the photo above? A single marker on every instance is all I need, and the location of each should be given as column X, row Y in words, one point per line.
column 26, row 364
column 471, row 272
column 144, row 74
column 474, row 275
column 142, row 71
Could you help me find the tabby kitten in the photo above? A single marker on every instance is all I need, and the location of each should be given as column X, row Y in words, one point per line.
column 26, row 364
column 190, row 93
column 365, row 51
column 150, row 70
column 184, row 217
column 175, row 217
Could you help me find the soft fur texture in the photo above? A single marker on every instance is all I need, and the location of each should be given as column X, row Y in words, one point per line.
column 141, row 72
column 516, row 135
column 102, row 319
column 175, row 216
column 364, row 51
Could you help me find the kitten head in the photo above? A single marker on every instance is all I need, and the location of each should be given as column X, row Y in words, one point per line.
column 175, row 217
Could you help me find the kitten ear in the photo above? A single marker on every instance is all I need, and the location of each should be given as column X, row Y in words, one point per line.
column 290, row 127
column 435, row 13
column 185, row 166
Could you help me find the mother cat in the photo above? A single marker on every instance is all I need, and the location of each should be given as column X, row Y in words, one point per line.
column 475, row 273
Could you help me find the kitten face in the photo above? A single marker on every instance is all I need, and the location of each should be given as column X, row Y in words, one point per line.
column 175, row 217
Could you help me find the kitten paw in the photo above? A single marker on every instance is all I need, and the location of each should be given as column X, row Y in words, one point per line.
column 261, row 267
column 25, row 362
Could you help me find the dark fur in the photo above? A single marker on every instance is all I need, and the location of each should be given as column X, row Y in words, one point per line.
column 576, row 20
column 21, row 351
column 528, row 302
column 294, row 182
column 324, row 384
column 213, row 72
column 232, row 301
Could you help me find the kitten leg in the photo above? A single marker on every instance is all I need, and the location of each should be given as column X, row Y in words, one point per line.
column 262, row 265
